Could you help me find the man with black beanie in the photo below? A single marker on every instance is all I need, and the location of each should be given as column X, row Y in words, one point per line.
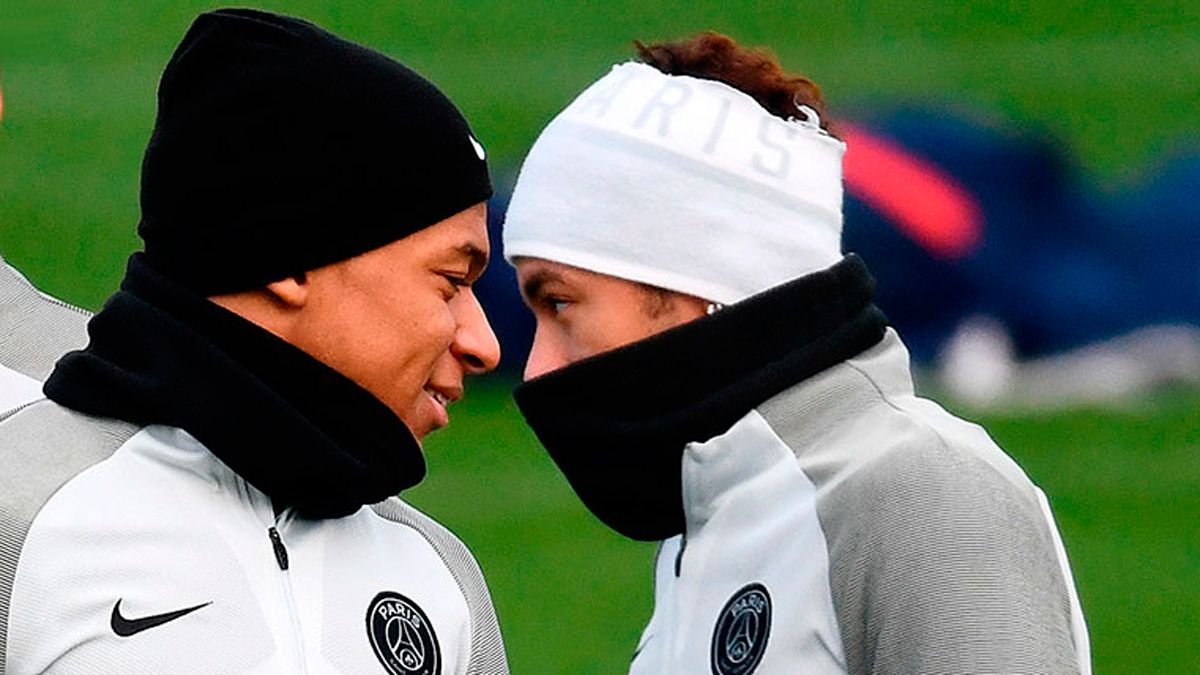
column 211, row 486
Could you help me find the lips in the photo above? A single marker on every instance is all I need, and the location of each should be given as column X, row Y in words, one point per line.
column 441, row 398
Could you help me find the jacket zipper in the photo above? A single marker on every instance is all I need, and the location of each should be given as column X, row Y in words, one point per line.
column 289, row 596
column 281, row 555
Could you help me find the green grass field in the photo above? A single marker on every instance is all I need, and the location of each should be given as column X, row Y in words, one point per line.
column 1116, row 81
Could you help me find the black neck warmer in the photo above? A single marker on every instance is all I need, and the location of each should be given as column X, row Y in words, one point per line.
column 616, row 424
column 294, row 428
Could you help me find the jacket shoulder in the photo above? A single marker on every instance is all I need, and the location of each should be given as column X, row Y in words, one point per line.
column 487, row 645
column 942, row 557
column 42, row 328
column 42, row 447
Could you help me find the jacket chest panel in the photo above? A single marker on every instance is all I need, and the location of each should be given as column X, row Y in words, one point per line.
column 754, row 554
column 200, row 583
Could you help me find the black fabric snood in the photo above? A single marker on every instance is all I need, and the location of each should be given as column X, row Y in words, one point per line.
column 616, row 424
column 293, row 427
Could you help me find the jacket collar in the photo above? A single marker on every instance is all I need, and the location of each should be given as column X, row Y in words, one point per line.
column 294, row 428
column 616, row 424
column 807, row 415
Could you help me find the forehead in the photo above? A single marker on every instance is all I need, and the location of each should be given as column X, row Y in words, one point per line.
column 542, row 271
column 528, row 267
column 463, row 234
column 534, row 274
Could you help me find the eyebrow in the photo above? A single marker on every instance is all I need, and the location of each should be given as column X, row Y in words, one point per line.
column 477, row 257
column 532, row 287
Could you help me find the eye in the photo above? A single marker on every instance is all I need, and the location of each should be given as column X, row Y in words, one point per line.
column 556, row 305
column 455, row 281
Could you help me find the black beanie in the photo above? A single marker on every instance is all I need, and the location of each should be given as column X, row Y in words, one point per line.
column 280, row 147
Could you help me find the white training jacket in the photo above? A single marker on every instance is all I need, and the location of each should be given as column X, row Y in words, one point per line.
column 847, row 526
column 138, row 551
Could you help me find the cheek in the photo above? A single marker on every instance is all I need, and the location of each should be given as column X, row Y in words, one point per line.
column 418, row 343
column 551, row 348
column 396, row 347
column 590, row 333
column 588, row 340
column 613, row 326
column 419, row 351
column 404, row 366
column 442, row 323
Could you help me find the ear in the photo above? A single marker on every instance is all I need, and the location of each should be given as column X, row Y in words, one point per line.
column 292, row 291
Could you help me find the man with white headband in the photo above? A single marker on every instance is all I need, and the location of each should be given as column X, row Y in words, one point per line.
column 709, row 370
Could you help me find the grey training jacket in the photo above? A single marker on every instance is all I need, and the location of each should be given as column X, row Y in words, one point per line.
column 848, row 526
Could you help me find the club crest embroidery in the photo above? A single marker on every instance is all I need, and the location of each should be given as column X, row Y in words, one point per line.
column 740, row 636
column 402, row 636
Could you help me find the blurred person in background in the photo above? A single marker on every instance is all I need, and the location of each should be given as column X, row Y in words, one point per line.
column 35, row 329
column 213, row 481
column 709, row 370
column 946, row 206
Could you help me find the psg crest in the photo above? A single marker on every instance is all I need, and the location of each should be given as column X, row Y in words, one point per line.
column 743, row 627
column 402, row 636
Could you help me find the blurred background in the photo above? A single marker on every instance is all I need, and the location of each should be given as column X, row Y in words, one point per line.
column 1022, row 178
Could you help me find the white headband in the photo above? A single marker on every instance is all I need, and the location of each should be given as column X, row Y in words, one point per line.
column 682, row 183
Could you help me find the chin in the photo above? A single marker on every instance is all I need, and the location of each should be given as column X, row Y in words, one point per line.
column 423, row 416
column 418, row 434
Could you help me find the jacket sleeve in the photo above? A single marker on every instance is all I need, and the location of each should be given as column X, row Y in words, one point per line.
column 940, row 563
column 42, row 447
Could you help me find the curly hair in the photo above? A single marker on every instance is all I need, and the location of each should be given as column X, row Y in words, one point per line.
column 756, row 72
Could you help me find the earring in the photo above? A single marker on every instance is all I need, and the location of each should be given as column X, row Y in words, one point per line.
column 713, row 308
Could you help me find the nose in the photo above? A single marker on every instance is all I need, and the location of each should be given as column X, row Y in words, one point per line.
column 475, row 345
column 545, row 354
